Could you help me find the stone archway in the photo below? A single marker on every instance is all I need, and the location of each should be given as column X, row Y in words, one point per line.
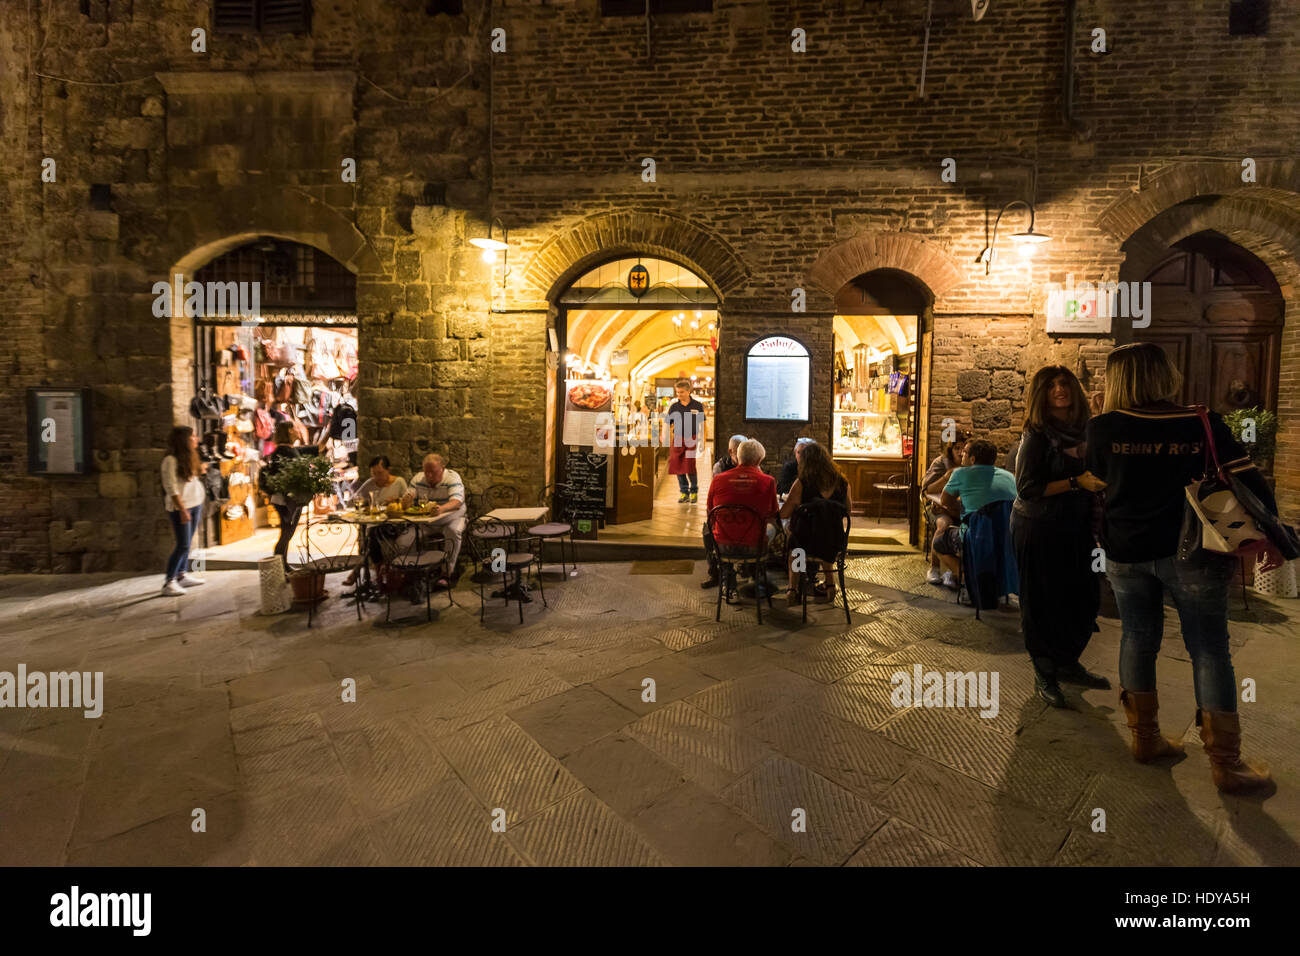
column 868, row 251
column 567, row 255
column 202, row 233
column 1264, row 220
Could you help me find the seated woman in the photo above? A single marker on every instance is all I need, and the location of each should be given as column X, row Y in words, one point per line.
column 386, row 488
column 932, row 483
column 818, row 478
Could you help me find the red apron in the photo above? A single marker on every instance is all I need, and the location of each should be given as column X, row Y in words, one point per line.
column 679, row 462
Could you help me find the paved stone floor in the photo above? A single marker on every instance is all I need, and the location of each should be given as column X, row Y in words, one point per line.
column 210, row 705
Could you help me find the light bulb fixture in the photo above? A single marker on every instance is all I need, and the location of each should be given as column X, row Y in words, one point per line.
column 1026, row 239
column 491, row 247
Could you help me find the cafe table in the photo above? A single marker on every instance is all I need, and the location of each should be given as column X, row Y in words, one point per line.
column 517, row 516
column 368, row 521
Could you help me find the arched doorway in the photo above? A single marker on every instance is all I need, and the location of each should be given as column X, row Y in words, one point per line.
column 627, row 330
column 1218, row 312
column 288, row 352
column 878, row 415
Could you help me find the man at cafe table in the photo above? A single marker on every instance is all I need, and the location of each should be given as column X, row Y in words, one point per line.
column 746, row 484
column 438, row 483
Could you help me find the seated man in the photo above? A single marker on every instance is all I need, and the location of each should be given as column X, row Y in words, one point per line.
column 976, row 483
column 729, row 460
column 790, row 469
column 745, row 484
column 438, row 483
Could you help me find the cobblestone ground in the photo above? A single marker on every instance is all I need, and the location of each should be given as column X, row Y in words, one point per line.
column 211, row 705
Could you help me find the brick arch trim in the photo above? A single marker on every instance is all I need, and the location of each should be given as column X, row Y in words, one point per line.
column 1276, row 179
column 567, row 255
column 868, row 251
column 206, row 230
column 1265, row 229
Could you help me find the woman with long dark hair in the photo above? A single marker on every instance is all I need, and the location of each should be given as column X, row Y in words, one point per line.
column 1051, row 528
column 183, row 499
column 288, row 511
column 1147, row 449
column 818, row 478
column 932, row 483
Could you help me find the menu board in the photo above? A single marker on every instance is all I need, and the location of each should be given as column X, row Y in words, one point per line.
column 587, row 475
column 588, row 413
column 777, row 378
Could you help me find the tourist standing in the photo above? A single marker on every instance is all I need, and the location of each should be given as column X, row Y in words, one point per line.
column 183, row 498
column 1051, row 529
column 685, row 418
column 1147, row 449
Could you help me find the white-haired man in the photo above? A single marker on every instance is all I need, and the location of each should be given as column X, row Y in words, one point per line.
column 746, row 484
column 730, row 459
column 438, row 483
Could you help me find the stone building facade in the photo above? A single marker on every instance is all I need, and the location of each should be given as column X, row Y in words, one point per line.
column 775, row 170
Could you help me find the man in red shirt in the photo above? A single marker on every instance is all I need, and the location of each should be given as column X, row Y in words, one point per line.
column 746, row 484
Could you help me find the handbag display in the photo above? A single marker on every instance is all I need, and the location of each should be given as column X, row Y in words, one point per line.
column 1223, row 516
column 278, row 356
column 205, row 405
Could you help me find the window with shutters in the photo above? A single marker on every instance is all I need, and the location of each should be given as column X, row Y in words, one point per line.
column 261, row 16
column 637, row 8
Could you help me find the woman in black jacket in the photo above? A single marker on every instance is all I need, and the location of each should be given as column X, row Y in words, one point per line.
column 288, row 511
column 1051, row 527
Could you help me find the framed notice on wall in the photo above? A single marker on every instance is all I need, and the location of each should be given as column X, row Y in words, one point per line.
column 778, row 380
column 58, row 431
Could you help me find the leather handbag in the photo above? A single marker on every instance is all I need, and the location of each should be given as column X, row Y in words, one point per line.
column 278, row 356
column 1224, row 516
column 205, row 405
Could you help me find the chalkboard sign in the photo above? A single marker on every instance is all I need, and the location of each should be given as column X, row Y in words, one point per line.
column 585, row 475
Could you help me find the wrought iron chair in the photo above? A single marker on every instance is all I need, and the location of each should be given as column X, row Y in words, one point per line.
column 746, row 544
column 420, row 563
column 500, row 496
column 330, row 547
column 807, row 516
column 557, row 530
column 898, row 483
column 497, row 551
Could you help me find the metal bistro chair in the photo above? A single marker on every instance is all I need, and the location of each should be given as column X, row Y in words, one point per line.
column 740, row 523
column 414, row 562
column 894, row 484
column 557, row 530
column 500, row 496
column 488, row 535
column 330, row 547
column 807, row 515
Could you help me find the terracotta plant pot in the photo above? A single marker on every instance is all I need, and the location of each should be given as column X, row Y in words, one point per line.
column 307, row 586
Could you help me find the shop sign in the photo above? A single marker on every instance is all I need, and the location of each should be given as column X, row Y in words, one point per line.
column 638, row 280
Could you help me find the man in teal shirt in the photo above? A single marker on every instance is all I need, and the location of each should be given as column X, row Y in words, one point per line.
column 977, row 483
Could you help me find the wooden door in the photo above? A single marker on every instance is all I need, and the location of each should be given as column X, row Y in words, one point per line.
column 1217, row 311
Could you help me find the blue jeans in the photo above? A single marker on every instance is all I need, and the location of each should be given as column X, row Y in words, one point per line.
column 1199, row 589
column 184, row 532
column 689, row 484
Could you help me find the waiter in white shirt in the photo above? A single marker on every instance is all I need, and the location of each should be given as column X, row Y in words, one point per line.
column 438, row 483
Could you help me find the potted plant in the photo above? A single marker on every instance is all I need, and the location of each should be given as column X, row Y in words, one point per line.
column 300, row 480
column 1256, row 429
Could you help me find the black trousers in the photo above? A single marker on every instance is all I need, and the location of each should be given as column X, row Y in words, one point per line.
column 289, row 515
column 710, row 552
column 1059, row 591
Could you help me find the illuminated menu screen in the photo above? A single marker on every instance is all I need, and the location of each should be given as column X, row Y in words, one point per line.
column 777, row 377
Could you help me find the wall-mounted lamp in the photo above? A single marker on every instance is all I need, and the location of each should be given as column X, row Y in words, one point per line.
column 1027, row 240
column 491, row 247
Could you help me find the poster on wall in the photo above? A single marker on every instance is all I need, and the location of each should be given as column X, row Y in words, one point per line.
column 777, row 379
column 58, row 431
column 588, row 413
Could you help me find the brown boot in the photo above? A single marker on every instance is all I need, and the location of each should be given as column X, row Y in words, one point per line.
column 1221, row 734
column 1141, row 707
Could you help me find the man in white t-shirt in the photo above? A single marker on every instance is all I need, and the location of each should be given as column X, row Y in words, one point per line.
column 438, row 483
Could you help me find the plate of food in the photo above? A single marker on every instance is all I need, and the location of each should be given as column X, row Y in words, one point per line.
column 591, row 396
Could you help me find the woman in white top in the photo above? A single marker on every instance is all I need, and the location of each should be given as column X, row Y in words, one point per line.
column 183, row 498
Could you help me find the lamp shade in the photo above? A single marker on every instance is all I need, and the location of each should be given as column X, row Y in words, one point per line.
column 496, row 245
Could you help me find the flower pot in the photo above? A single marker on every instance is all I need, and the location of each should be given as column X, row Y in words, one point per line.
column 308, row 586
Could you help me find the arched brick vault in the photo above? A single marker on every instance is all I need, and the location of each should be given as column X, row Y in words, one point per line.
column 567, row 255
column 867, row 251
column 1277, row 181
column 203, row 231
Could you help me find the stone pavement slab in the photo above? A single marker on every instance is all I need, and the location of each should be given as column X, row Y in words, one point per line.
column 209, row 704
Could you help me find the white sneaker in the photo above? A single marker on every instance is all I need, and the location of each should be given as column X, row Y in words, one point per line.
column 950, row 581
column 933, row 576
column 190, row 581
column 172, row 589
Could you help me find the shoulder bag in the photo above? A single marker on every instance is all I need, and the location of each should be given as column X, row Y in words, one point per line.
column 1224, row 516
